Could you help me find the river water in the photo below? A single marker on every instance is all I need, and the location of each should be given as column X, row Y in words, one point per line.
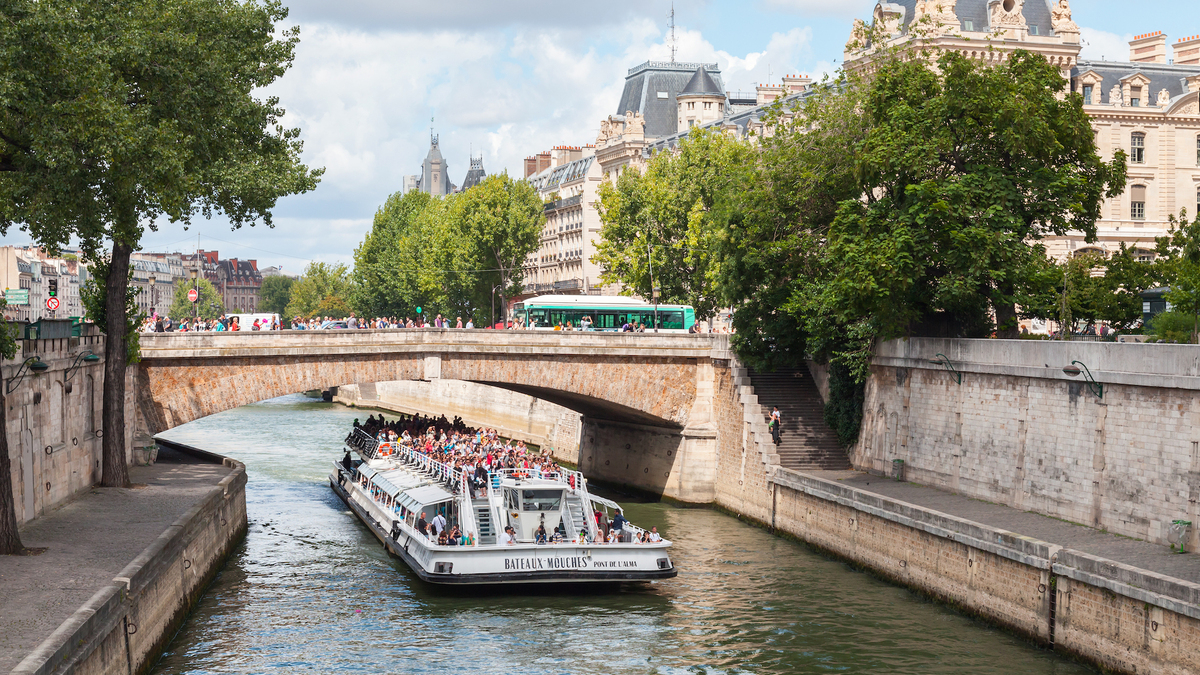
column 311, row 590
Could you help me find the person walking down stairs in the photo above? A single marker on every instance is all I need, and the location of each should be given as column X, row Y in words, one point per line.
column 776, row 419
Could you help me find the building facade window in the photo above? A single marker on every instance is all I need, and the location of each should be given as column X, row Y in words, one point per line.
column 1198, row 151
column 1137, row 148
column 1135, row 96
column 1137, row 202
column 1087, row 94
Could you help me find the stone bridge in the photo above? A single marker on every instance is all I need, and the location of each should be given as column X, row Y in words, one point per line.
column 647, row 400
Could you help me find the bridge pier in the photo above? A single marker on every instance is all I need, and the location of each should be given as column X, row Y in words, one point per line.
column 676, row 463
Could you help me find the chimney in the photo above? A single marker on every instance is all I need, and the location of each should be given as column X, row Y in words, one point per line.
column 767, row 93
column 796, row 83
column 1149, row 48
column 530, row 166
column 1187, row 51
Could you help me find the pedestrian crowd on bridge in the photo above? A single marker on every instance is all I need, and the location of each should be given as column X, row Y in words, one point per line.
column 158, row 323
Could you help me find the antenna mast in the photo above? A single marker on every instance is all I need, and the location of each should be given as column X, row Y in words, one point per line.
column 674, row 45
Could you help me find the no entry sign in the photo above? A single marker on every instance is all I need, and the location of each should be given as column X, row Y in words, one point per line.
column 193, row 295
column 51, row 303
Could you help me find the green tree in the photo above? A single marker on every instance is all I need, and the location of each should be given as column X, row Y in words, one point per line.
column 207, row 306
column 964, row 165
column 323, row 284
column 500, row 220
column 661, row 224
column 119, row 113
column 1180, row 254
column 10, row 538
column 275, row 294
column 446, row 255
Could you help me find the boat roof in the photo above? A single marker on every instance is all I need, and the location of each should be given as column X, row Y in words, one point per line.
column 412, row 490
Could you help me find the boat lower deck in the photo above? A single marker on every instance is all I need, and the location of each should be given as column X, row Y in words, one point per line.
column 517, row 564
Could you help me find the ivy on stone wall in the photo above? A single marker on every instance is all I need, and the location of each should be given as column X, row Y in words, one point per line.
column 844, row 409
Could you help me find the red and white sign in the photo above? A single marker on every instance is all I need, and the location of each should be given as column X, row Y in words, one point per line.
column 51, row 303
column 193, row 295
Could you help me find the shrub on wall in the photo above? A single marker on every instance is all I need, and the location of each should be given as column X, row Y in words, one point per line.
column 844, row 409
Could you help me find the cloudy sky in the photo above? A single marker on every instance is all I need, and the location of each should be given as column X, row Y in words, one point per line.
column 510, row 78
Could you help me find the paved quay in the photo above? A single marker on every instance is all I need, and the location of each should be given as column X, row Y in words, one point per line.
column 89, row 541
column 1134, row 552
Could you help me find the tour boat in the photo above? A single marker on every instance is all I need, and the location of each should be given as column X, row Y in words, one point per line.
column 391, row 486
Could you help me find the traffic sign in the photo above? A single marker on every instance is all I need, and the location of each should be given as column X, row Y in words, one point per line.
column 17, row 296
column 193, row 295
column 51, row 303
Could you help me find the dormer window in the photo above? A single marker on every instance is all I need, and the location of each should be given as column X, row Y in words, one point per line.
column 1033, row 30
column 1087, row 94
column 1135, row 97
column 969, row 25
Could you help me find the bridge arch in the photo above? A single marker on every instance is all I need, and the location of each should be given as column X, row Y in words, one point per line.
column 644, row 397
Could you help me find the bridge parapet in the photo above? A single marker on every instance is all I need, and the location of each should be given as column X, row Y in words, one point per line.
column 156, row 346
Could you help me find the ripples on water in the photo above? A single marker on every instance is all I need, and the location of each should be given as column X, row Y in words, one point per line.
column 311, row 590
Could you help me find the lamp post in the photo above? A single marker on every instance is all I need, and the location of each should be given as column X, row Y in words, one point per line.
column 153, row 298
column 653, row 287
column 494, row 304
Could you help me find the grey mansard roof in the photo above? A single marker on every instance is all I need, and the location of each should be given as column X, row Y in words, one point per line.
column 1161, row 75
column 642, row 87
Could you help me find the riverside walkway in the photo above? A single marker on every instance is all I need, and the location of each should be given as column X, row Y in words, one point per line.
column 1132, row 552
column 89, row 541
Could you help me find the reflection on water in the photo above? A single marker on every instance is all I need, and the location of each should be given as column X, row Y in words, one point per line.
column 312, row 590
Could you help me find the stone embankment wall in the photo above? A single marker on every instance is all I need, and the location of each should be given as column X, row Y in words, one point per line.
column 1122, row 618
column 1020, row 432
column 54, row 422
column 124, row 627
column 514, row 415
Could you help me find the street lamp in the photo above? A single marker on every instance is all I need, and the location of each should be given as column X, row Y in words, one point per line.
column 32, row 363
column 1073, row 370
column 943, row 360
column 153, row 298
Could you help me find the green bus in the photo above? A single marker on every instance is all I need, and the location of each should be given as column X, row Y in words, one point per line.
column 601, row 313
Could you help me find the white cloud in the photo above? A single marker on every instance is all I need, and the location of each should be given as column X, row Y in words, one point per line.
column 407, row 15
column 1099, row 45
column 837, row 8
column 783, row 53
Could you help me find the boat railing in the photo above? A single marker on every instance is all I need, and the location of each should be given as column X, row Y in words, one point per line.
column 363, row 442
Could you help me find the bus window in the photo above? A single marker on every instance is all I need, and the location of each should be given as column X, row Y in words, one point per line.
column 671, row 320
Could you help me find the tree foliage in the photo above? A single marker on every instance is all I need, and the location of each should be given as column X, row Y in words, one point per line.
column 659, row 226
column 322, row 285
column 275, row 294
column 208, row 304
column 117, row 114
column 446, row 254
column 1180, row 251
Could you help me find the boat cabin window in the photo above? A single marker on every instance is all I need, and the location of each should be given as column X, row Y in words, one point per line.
column 540, row 500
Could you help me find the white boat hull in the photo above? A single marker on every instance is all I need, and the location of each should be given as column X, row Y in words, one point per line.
column 516, row 564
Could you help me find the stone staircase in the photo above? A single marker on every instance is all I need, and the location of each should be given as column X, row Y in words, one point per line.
column 807, row 442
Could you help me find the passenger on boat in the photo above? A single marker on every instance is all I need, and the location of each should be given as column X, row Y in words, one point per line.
column 539, row 537
column 614, row 536
column 439, row 523
column 653, row 536
column 618, row 523
column 422, row 525
column 508, row 537
column 347, row 463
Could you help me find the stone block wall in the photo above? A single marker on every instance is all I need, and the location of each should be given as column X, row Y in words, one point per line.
column 54, row 423
column 1020, row 432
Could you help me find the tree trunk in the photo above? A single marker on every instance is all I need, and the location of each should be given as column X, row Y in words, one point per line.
column 10, row 539
column 1007, row 327
column 116, row 471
